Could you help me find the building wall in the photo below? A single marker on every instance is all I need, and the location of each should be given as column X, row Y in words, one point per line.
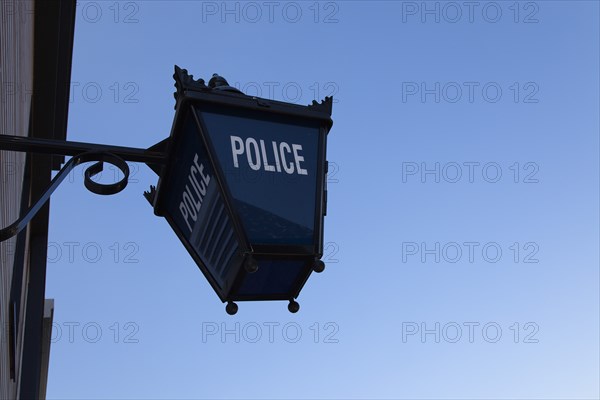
column 16, row 85
column 36, row 47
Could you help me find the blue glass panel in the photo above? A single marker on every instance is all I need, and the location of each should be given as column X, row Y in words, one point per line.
column 195, row 205
column 274, row 277
column 270, row 165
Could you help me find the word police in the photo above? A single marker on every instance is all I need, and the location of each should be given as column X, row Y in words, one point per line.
column 257, row 159
column 194, row 192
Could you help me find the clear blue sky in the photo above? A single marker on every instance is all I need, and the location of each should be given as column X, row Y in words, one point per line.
column 462, row 234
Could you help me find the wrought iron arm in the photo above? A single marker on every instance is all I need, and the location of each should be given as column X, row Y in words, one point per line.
column 153, row 155
column 82, row 152
column 98, row 188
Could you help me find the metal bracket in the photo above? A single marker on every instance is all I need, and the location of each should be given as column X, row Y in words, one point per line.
column 81, row 152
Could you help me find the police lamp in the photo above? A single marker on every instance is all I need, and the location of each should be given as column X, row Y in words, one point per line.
column 244, row 188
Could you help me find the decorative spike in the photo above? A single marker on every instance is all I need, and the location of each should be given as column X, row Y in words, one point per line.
column 185, row 81
column 325, row 106
column 150, row 195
